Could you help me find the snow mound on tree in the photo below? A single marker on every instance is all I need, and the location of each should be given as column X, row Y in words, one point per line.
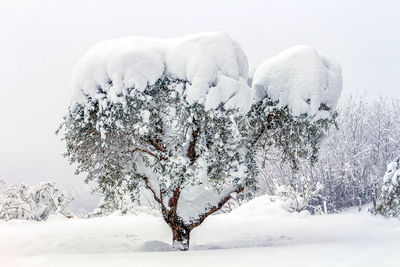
column 214, row 65
column 300, row 78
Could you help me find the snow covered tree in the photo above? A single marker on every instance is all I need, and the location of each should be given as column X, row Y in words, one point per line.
column 389, row 205
column 177, row 118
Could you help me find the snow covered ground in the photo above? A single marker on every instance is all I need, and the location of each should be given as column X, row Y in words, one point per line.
column 259, row 233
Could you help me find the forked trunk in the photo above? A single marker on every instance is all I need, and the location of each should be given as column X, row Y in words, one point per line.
column 181, row 230
column 180, row 237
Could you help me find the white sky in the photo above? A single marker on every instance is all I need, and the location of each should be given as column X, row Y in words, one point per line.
column 40, row 42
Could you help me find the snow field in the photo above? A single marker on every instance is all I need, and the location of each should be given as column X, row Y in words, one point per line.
column 259, row 233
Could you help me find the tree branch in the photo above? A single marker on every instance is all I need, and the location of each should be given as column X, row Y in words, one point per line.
column 146, row 181
column 214, row 209
column 192, row 151
column 147, row 152
column 173, row 201
column 157, row 146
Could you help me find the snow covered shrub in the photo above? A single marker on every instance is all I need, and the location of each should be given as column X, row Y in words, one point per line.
column 32, row 202
column 299, row 195
column 389, row 205
column 177, row 118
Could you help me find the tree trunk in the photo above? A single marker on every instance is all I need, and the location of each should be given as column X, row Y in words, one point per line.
column 181, row 230
column 180, row 236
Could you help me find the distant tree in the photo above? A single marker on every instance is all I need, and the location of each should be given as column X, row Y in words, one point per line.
column 355, row 156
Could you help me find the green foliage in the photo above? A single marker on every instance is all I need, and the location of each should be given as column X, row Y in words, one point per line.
column 295, row 137
column 156, row 129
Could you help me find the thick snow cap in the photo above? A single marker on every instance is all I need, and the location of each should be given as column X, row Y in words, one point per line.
column 214, row 65
column 300, row 78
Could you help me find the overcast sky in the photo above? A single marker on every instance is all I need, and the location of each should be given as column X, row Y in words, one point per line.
column 41, row 41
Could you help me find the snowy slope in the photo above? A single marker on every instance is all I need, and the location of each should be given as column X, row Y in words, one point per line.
column 259, row 233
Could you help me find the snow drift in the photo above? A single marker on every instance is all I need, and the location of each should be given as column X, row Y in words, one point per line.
column 300, row 78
